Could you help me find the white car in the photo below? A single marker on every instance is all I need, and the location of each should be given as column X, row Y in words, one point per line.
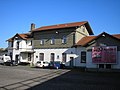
column 42, row 64
column 1, row 60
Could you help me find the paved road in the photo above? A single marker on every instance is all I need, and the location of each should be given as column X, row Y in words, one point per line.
column 77, row 80
column 24, row 77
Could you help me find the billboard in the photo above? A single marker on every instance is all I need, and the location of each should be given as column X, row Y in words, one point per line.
column 104, row 54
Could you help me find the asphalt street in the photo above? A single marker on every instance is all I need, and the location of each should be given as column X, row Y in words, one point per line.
column 79, row 80
column 26, row 78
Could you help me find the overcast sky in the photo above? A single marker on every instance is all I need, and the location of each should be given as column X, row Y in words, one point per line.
column 17, row 15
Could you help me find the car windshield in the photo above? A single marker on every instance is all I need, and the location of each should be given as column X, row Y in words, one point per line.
column 38, row 62
column 45, row 62
column 57, row 62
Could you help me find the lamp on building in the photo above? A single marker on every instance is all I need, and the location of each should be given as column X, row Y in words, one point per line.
column 103, row 35
column 56, row 32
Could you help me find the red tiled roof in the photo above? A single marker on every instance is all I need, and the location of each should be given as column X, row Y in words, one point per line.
column 85, row 40
column 67, row 25
column 23, row 36
column 88, row 39
column 117, row 36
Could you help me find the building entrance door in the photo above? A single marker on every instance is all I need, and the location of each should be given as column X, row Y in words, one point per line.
column 17, row 59
column 71, row 61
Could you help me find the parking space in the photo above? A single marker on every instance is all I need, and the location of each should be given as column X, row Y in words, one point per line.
column 23, row 77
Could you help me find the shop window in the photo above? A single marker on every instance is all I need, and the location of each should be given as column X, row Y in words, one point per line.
column 83, row 57
column 41, row 57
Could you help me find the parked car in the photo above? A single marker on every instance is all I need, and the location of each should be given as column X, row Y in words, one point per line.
column 1, row 60
column 5, row 58
column 55, row 64
column 10, row 63
column 42, row 64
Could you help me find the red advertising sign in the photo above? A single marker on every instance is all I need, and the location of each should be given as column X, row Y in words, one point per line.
column 104, row 54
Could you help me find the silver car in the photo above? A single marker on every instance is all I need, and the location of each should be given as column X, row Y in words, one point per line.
column 42, row 64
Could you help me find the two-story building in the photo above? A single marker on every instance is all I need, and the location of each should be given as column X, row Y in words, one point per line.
column 73, row 44
column 20, row 48
column 56, row 42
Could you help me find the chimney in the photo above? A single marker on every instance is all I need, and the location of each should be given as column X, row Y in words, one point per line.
column 32, row 27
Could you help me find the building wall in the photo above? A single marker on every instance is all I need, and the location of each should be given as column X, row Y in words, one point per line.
column 78, row 58
column 117, row 65
column 80, row 33
column 57, row 35
column 24, row 45
column 57, row 51
column 89, row 63
column 103, row 41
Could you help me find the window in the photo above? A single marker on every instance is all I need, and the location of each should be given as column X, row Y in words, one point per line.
column 41, row 57
column 83, row 57
column 52, row 40
column 52, row 57
column 63, row 57
column 17, row 45
column 64, row 40
column 29, row 56
column 108, row 66
column 83, row 29
column 42, row 42
column 11, row 44
column 101, row 65
column 31, row 43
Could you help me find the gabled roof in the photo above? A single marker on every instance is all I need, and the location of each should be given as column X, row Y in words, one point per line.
column 66, row 25
column 85, row 40
column 24, row 36
column 117, row 36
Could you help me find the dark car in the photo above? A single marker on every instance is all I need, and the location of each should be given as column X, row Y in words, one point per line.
column 10, row 63
column 56, row 64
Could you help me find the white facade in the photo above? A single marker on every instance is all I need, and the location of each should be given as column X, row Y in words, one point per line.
column 22, row 48
column 19, row 50
column 90, row 64
column 70, row 52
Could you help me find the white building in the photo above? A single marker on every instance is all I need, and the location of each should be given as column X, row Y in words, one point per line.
column 20, row 48
column 72, row 44
column 56, row 42
column 99, row 52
